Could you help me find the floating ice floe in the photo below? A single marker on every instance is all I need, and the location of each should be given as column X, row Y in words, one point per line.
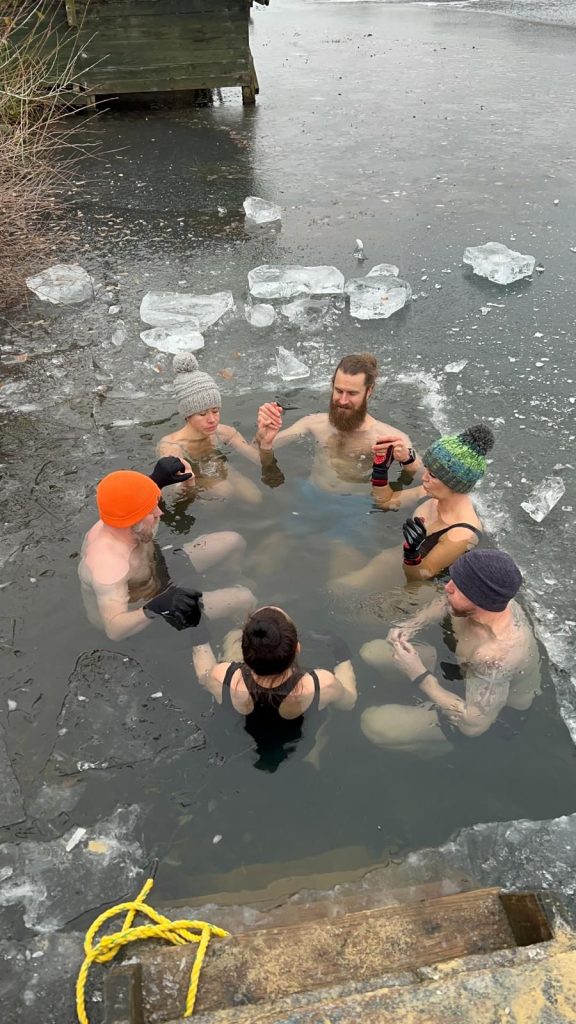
column 359, row 250
column 119, row 334
column 286, row 282
column 260, row 211
column 378, row 295
column 62, row 284
column 260, row 315
column 172, row 309
column 173, row 339
column 544, row 497
column 498, row 263
column 289, row 366
column 456, row 367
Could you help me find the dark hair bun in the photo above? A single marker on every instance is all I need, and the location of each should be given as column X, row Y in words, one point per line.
column 264, row 632
column 479, row 437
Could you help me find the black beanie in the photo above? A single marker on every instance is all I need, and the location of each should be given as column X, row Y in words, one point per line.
column 488, row 578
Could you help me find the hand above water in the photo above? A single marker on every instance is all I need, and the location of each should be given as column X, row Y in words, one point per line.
column 171, row 470
column 269, row 422
column 407, row 658
column 400, row 450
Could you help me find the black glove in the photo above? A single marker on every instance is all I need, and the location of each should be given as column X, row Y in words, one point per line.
column 336, row 644
column 169, row 470
column 179, row 606
column 414, row 536
column 380, row 467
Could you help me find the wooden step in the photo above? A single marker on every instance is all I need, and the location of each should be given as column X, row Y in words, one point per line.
column 272, row 964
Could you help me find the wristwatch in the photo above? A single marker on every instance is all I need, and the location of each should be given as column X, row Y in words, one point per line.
column 411, row 457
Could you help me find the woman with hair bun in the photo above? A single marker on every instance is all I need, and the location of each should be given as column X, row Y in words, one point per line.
column 277, row 697
column 198, row 441
column 444, row 526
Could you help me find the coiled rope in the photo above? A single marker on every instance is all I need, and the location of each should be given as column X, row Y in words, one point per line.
column 179, row 933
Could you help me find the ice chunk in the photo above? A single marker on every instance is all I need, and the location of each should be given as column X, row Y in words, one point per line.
column 456, row 367
column 119, row 334
column 543, row 498
column 377, row 296
column 54, row 888
column 173, row 339
column 384, row 270
column 498, row 263
column 62, row 284
column 124, row 726
column 296, row 310
column 289, row 367
column 260, row 315
column 172, row 309
column 260, row 211
column 286, row 282
column 359, row 250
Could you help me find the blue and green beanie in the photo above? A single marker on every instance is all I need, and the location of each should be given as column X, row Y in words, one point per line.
column 459, row 461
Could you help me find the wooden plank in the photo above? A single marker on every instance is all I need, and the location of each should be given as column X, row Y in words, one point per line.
column 527, row 917
column 113, row 87
column 255, row 966
column 210, row 8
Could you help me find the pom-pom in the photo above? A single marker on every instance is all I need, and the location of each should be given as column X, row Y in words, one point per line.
column 479, row 437
column 185, row 362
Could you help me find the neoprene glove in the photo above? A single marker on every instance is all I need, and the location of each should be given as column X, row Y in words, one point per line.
column 180, row 607
column 169, row 470
column 414, row 536
column 380, row 467
column 336, row 644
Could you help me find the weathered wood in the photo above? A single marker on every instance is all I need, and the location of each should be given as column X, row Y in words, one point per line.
column 527, row 917
column 123, row 995
column 256, row 966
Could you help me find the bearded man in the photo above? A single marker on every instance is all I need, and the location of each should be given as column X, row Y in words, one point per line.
column 348, row 438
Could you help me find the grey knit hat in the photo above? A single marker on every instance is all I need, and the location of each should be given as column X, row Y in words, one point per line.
column 195, row 391
column 488, row 578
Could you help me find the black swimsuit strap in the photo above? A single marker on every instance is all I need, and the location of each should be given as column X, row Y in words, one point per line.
column 316, row 681
column 454, row 526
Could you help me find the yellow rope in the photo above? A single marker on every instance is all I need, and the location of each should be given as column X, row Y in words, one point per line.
column 177, row 932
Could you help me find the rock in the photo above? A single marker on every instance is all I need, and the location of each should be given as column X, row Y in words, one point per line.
column 286, row 282
column 62, row 284
column 498, row 263
column 173, row 339
column 289, row 367
column 172, row 309
column 377, row 296
column 260, row 211
column 544, row 497
column 260, row 315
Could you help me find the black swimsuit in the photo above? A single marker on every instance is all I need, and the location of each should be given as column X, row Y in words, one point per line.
column 276, row 737
column 433, row 538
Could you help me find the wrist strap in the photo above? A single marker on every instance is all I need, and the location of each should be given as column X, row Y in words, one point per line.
column 418, row 680
column 411, row 457
column 411, row 559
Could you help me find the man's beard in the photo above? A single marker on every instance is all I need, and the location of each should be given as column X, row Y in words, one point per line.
column 347, row 420
column 145, row 533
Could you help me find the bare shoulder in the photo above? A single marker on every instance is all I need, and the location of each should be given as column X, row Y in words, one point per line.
column 219, row 670
column 326, row 678
column 377, row 427
column 107, row 563
column 168, row 443
column 317, row 423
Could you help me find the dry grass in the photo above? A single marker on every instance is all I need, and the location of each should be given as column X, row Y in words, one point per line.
column 37, row 131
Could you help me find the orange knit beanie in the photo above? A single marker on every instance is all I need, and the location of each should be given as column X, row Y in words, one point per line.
column 126, row 497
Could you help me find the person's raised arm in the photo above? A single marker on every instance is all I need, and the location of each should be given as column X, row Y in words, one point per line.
column 269, row 434
column 271, row 475
column 386, row 451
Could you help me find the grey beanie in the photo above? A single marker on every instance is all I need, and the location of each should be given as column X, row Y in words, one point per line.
column 195, row 391
column 488, row 578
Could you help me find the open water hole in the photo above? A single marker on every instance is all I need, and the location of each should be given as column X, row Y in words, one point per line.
column 362, row 805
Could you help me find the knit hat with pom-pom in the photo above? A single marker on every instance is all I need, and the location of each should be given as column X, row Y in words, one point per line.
column 195, row 391
column 460, row 461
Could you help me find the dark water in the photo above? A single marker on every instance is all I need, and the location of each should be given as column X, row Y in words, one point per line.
column 363, row 804
column 420, row 130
